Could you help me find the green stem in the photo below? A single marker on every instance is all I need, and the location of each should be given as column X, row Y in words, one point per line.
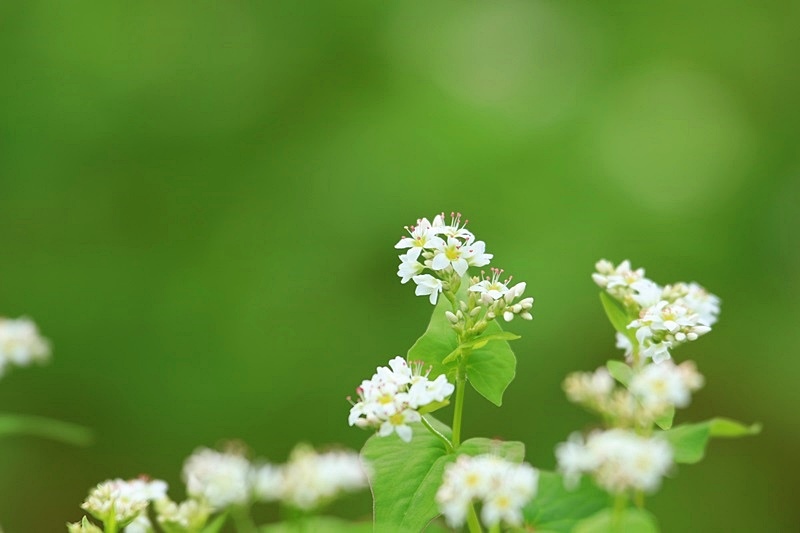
column 473, row 524
column 447, row 444
column 242, row 520
column 44, row 427
column 620, row 502
column 638, row 499
column 461, row 385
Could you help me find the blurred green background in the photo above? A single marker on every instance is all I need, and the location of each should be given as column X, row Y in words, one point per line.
column 199, row 204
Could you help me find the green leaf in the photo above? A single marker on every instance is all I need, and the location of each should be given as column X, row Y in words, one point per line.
column 620, row 371
column 557, row 509
column 37, row 426
column 491, row 369
column 491, row 366
column 438, row 342
column 630, row 520
column 328, row 524
column 689, row 441
column 216, row 525
column 405, row 477
column 665, row 421
column 617, row 316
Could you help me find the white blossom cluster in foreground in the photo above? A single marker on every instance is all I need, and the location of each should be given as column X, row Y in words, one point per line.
column 445, row 250
column 667, row 316
column 617, row 459
column 121, row 502
column 21, row 344
column 391, row 400
column 216, row 481
column 500, row 486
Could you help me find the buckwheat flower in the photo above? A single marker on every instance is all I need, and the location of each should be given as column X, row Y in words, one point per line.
column 645, row 292
column 422, row 236
column 575, row 459
column 696, row 298
column 624, row 343
column 450, row 254
column 189, row 516
column 389, row 401
column 475, row 254
column 119, row 501
column 220, row 479
column 618, row 459
column 398, row 423
column 455, row 229
column 408, row 268
column 659, row 386
column 616, row 279
column 521, row 308
column 311, row 479
column 665, row 325
column 492, row 287
column 502, row 487
column 425, row 391
column 427, row 285
column 20, row 343
column 589, row 388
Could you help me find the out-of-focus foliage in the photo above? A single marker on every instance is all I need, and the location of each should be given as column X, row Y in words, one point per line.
column 198, row 203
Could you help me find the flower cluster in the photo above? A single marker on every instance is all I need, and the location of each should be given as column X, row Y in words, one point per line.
column 220, row 479
column 665, row 316
column 500, row 299
column 393, row 397
column 618, row 459
column 502, row 487
column 20, row 343
column 310, row 479
column 217, row 481
column 122, row 502
column 653, row 390
column 446, row 250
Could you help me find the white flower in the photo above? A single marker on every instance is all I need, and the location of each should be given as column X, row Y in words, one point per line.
column 423, row 236
column 190, row 515
column 310, row 479
column 122, row 501
column 658, row 386
column 398, row 423
column 20, row 343
column 618, row 459
column 624, row 343
column 501, row 486
column 646, row 292
column 589, row 388
column 425, row 391
column 408, row 268
column 220, row 479
column 428, row 285
column 476, row 255
column 450, row 254
column 491, row 287
column 389, row 401
column 268, row 482
column 665, row 325
column 574, row 459
column 695, row 298
column 453, row 230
